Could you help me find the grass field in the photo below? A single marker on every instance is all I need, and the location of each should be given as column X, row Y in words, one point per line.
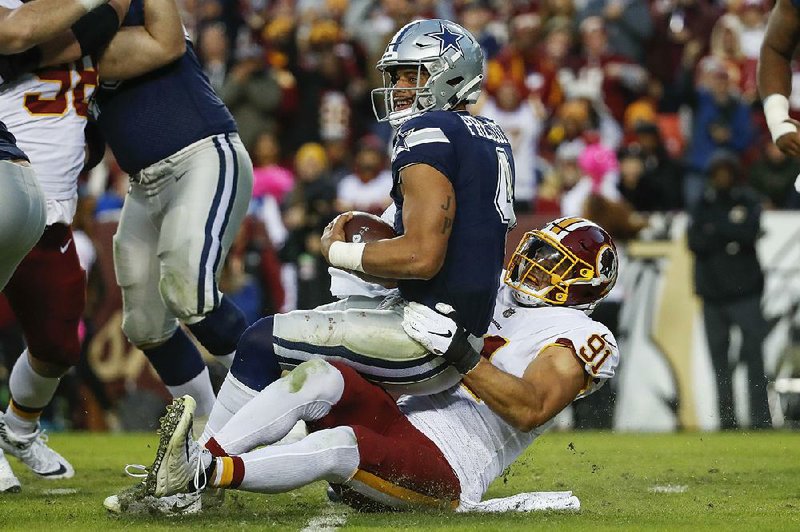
column 726, row 481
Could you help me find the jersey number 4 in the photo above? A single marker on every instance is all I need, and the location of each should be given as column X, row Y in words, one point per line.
column 75, row 80
column 504, row 195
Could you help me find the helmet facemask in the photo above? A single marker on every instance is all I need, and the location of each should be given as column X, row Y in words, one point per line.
column 542, row 271
column 422, row 95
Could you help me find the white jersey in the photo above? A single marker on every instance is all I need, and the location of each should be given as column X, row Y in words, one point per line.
column 46, row 112
column 477, row 443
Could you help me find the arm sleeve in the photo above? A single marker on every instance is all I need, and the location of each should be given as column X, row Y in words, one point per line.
column 94, row 30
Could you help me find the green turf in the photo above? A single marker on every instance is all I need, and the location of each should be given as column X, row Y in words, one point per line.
column 733, row 481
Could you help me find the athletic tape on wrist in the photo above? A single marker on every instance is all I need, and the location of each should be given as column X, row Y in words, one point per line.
column 347, row 255
column 776, row 111
column 91, row 4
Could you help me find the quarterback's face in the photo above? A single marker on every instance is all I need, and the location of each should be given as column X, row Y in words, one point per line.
column 408, row 78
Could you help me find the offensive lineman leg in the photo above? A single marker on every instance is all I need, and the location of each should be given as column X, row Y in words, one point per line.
column 147, row 322
column 211, row 198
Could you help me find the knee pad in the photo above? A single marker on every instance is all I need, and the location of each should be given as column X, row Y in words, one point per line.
column 317, row 380
column 142, row 332
column 338, row 436
column 255, row 364
column 179, row 293
column 57, row 343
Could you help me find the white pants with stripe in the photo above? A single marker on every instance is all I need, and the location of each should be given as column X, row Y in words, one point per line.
column 178, row 222
column 366, row 334
column 22, row 215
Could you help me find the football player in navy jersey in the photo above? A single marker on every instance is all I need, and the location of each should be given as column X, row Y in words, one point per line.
column 191, row 182
column 775, row 74
column 453, row 194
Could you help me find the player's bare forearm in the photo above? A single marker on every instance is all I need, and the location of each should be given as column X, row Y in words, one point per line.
column 780, row 41
column 64, row 47
column 401, row 258
column 137, row 50
column 429, row 210
column 35, row 22
column 549, row 384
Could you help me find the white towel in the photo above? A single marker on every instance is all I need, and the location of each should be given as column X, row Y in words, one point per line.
column 525, row 502
column 344, row 284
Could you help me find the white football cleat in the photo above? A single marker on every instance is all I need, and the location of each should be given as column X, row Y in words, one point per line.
column 134, row 501
column 8, row 481
column 32, row 450
column 177, row 467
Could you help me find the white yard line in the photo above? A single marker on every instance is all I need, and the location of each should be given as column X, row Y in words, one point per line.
column 59, row 491
column 668, row 488
column 330, row 519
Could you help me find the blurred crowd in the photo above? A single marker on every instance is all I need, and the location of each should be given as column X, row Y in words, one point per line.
column 626, row 99
column 614, row 109
column 629, row 98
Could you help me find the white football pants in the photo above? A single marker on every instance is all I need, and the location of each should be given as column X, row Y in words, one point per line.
column 22, row 216
column 366, row 334
column 179, row 220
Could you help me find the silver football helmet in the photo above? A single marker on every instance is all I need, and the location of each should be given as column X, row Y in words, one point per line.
column 450, row 55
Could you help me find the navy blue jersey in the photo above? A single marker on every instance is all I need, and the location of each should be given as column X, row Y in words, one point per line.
column 149, row 118
column 8, row 145
column 475, row 155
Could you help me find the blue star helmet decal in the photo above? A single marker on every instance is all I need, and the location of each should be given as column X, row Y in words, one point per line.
column 447, row 39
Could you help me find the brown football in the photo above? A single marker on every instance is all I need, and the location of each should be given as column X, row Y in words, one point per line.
column 366, row 227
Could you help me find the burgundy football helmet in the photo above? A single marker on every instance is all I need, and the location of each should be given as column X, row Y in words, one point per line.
column 570, row 262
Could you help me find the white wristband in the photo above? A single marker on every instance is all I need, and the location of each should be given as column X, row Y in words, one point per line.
column 346, row 255
column 91, row 4
column 776, row 111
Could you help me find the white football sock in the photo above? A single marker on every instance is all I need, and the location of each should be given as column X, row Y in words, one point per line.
column 29, row 391
column 330, row 455
column 308, row 392
column 232, row 396
column 201, row 391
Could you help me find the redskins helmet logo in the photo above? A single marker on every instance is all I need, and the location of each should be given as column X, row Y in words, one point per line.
column 607, row 264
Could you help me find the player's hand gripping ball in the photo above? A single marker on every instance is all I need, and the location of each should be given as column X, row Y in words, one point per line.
column 365, row 227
